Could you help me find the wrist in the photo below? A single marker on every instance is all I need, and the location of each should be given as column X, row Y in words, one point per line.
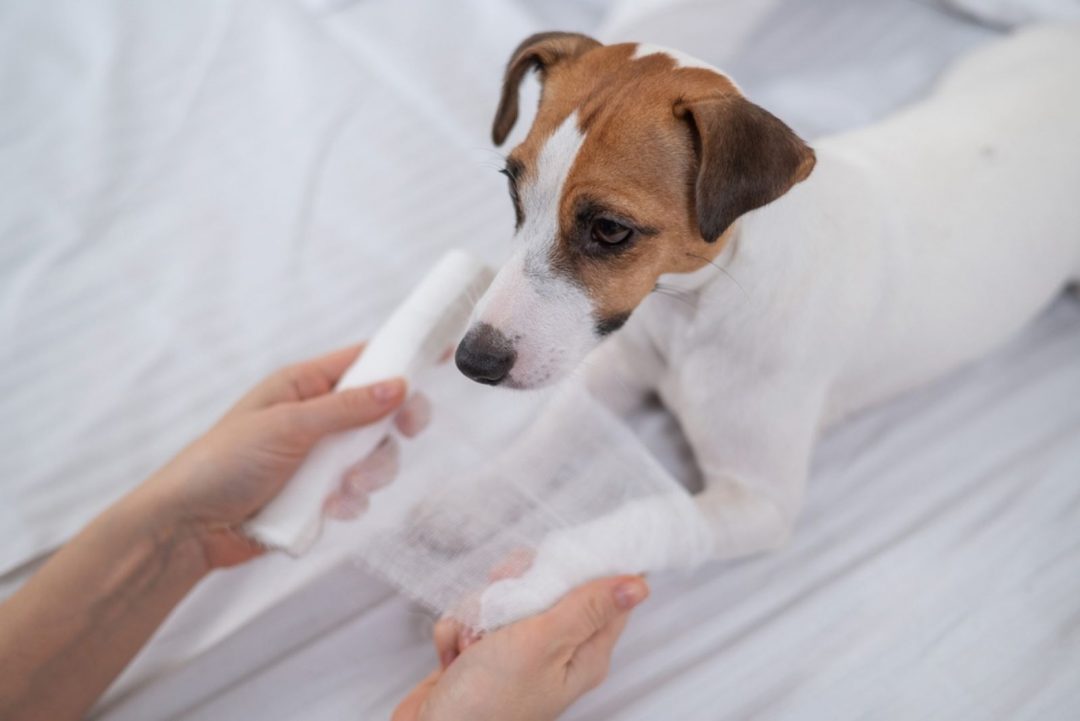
column 150, row 518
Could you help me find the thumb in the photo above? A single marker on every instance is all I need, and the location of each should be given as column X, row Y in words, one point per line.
column 342, row 410
column 591, row 608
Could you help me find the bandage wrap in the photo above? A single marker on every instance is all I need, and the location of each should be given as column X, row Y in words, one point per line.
column 493, row 525
column 420, row 330
column 508, row 500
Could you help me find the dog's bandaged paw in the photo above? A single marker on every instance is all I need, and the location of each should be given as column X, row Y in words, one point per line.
column 569, row 494
column 651, row 533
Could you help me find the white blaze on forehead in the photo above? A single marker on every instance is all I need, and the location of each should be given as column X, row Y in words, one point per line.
column 542, row 191
column 682, row 60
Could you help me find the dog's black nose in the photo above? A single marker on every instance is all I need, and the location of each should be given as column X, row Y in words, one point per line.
column 485, row 355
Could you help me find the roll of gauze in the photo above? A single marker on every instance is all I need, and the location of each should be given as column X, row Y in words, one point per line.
column 415, row 336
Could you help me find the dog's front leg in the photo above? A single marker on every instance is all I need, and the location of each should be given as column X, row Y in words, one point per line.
column 650, row 533
column 753, row 445
column 752, row 437
column 625, row 369
column 618, row 375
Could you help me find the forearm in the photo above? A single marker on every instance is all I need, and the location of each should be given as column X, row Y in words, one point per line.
column 76, row 624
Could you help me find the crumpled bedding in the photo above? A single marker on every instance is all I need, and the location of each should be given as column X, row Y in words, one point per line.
column 195, row 193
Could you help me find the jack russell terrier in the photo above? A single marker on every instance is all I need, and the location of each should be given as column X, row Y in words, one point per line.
column 818, row 281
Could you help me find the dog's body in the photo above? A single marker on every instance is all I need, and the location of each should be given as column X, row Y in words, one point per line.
column 915, row 245
column 961, row 215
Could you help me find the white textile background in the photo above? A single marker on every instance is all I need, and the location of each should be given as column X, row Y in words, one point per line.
column 192, row 194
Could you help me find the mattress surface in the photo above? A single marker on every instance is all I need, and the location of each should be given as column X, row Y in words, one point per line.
column 196, row 193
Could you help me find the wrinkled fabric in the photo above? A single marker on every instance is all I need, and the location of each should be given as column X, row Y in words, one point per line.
column 196, row 193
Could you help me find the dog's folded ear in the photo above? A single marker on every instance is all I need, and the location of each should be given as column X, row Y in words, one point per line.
column 747, row 157
column 540, row 52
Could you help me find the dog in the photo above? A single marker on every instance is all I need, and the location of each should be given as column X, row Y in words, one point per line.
column 817, row 281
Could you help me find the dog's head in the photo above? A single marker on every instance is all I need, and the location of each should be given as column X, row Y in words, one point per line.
column 637, row 164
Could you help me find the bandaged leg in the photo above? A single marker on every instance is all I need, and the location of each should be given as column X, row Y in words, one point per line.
column 652, row 533
column 575, row 491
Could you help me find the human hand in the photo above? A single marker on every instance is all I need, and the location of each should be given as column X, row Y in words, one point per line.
column 232, row 471
column 531, row 670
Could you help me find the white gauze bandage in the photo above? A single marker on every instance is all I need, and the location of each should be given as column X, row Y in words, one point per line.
column 509, row 501
column 421, row 330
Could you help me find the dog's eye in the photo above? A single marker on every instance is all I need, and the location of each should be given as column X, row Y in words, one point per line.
column 609, row 232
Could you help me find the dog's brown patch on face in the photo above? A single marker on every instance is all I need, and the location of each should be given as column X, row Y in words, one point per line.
column 638, row 165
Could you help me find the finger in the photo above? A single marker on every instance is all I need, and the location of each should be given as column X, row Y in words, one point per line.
column 445, row 637
column 515, row 564
column 230, row 546
column 334, row 412
column 414, row 415
column 330, row 367
column 589, row 665
column 342, row 506
column 374, row 472
column 467, row 636
column 590, row 608
column 300, row 381
column 410, row 708
column 451, row 638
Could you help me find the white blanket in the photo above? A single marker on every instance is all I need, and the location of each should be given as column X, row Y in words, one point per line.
column 195, row 193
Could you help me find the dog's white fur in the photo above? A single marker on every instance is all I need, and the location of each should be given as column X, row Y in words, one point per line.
column 682, row 60
column 527, row 293
column 916, row 245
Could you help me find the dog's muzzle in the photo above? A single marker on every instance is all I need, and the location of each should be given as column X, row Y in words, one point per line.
column 485, row 355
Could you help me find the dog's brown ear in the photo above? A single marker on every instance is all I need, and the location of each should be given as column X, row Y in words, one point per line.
column 540, row 52
column 746, row 156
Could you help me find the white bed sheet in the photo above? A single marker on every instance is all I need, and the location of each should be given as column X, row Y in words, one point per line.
column 195, row 193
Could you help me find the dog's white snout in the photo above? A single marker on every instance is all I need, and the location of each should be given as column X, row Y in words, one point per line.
column 529, row 329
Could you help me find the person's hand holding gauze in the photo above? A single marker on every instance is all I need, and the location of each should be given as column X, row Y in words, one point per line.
column 414, row 338
column 69, row 631
column 226, row 476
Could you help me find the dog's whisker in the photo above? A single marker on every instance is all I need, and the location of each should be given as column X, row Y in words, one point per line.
column 673, row 289
column 493, row 159
column 720, row 268
column 674, row 293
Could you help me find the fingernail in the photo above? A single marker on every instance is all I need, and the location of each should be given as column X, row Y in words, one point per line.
column 345, row 508
column 386, row 392
column 414, row 415
column 629, row 594
column 334, row 508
